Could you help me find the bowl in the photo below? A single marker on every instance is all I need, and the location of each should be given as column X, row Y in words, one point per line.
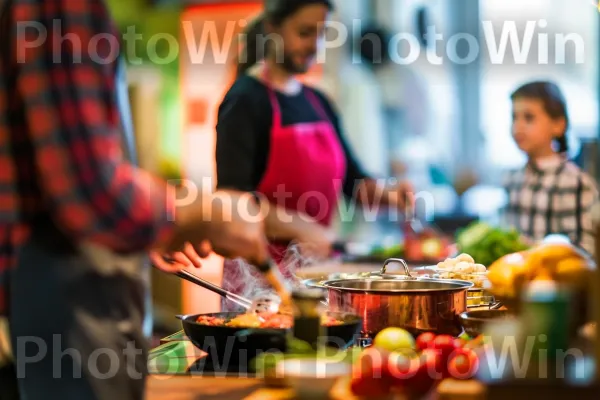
column 474, row 322
column 312, row 378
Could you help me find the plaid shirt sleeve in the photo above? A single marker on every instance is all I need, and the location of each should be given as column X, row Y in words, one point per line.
column 67, row 88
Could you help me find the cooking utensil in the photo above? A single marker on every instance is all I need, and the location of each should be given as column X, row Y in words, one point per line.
column 234, row 298
column 258, row 305
column 235, row 344
column 415, row 304
column 474, row 321
column 262, row 304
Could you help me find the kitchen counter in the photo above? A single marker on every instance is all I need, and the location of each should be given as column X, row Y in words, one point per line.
column 185, row 388
column 174, row 376
column 193, row 388
column 171, row 379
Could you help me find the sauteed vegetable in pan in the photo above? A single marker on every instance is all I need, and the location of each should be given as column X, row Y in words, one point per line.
column 278, row 321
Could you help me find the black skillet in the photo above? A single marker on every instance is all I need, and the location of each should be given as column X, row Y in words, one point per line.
column 233, row 344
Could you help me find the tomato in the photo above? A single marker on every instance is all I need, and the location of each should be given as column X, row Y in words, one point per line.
column 446, row 345
column 425, row 340
column 373, row 362
column 460, row 343
column 400, row 366
column 422, row 374
column 464, row 364
column 436, row 364
column 370, row 374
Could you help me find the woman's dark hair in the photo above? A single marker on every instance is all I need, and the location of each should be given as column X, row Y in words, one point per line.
column 554, row 104
column 275, row 12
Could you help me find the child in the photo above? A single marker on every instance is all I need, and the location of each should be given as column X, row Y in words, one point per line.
column 550, row 195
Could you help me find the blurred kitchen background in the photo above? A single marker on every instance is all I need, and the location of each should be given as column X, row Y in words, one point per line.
column 445, row 127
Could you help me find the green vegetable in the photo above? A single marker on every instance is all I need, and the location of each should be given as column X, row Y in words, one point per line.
column 486, row 244
column 297, row 346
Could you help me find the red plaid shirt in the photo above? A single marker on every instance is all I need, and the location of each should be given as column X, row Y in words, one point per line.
column 60, row 145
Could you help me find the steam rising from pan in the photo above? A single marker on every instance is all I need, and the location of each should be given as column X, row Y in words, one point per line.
column 254, row 286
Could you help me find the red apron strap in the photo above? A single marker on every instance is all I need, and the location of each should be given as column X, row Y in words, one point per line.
column 272, row 97
column 275, row 107
column 316, row 103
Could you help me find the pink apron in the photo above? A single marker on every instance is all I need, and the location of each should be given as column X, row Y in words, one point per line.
column 304, row 173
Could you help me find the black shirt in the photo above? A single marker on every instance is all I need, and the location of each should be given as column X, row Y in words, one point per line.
column 243, row 133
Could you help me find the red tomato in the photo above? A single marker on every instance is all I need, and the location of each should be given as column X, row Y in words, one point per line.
column 464, row 364
column 425, row 340
column 436, row 365
column 372, row 362
column 446, row 345
column 459, row 343
column 370, row 374
column 422, row 374
column 401, row 366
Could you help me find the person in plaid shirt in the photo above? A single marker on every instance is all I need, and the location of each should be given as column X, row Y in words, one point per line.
column 550, row 195
column 74, row 214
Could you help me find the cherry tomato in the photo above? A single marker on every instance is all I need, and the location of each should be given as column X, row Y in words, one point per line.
column 372, row 362
column 370, row 374
column 425, row 340
column 400, row 367
column 446, row 345
column 464, row 364
column 422, row 374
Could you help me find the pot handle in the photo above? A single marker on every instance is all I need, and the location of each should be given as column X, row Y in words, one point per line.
column 497, row 305
column 398, row 260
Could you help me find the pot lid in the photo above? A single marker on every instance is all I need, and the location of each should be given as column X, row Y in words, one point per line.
column 397, row 285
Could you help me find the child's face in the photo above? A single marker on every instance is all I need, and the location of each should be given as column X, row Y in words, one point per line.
column 532, row 128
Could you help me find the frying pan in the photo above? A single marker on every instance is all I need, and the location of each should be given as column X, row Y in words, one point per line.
column 233, row 344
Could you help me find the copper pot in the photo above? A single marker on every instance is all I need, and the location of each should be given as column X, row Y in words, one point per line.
column 415, row 304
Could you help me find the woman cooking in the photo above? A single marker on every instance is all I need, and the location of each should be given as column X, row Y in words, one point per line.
column 283, row 141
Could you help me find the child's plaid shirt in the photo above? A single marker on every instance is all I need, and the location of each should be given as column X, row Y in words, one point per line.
column 552, row 198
